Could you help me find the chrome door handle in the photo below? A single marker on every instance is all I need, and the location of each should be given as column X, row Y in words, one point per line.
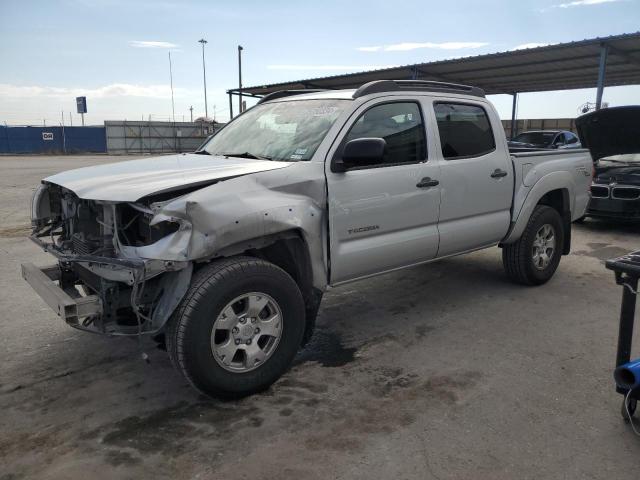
column 427, row 182
column 497, row 173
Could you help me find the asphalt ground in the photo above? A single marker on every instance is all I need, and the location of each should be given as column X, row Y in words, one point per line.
column 443, row 371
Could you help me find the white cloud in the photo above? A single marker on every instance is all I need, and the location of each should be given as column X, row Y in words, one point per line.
column 443, row 46
column 108, row 91
column 524, row 46
column 328, row 67
column 407, row 46
column 579, row 3
column 151, row 44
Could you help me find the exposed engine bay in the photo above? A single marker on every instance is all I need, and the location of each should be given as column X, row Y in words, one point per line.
column 92, row 241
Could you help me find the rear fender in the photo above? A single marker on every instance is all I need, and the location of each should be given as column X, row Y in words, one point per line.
column 560, row 180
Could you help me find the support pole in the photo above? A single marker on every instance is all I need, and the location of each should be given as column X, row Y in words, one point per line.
column 204, row 75
column 514, row 120
column 239, row 79
column 627, row 316
column 602, row 71
column 230, row 106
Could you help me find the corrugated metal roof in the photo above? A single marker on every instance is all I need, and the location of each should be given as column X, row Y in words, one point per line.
column 563, row 66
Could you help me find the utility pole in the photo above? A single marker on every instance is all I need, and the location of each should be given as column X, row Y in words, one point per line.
column 204, row 75
column 214, row 113
column 62, row 114
column 191, row 111
column 173, row 109
column 70, row 119
column 240, row 79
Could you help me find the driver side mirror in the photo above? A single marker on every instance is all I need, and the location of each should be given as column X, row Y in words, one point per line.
column 361, row 152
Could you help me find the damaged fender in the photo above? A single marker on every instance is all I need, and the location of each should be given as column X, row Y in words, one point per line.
column 241, row 213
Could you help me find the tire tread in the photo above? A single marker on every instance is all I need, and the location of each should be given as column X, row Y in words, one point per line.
column 515, row 256
column 208, row 276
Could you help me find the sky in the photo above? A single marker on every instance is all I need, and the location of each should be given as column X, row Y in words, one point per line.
column 116, row 51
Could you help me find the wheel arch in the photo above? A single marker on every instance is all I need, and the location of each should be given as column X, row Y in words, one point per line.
column 290, row 251
column 555, row 190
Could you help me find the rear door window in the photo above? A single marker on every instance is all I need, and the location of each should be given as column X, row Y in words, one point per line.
column 465, row 130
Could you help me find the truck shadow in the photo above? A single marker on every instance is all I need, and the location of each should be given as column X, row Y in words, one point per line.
column 608, row 226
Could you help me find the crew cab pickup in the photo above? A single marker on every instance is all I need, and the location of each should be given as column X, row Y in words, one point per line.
column 225, row 253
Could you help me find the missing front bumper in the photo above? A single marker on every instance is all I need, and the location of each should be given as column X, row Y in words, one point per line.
column 70, row 306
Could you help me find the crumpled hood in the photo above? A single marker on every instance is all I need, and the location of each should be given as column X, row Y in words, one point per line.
column 132, row 180
column 610, row 131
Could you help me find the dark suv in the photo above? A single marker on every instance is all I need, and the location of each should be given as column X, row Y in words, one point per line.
column 612, row 135
column 615, row 191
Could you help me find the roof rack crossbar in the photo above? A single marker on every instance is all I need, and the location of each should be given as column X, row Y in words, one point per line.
column 288, row 93
column 380, row 86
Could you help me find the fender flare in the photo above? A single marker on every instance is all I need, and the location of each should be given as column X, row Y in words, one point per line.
column 562, row 181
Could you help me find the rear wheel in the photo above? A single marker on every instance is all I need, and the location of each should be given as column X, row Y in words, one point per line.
column 534, row 258
column 238, row 327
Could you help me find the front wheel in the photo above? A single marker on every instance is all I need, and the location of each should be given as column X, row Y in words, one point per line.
column 238, row 327
column 534, row 258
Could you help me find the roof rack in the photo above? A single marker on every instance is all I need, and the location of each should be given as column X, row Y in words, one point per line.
column 380, row 86
column 287, row 93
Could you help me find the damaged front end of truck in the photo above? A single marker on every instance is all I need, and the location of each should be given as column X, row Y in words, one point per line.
column 100, row 283
column 125, row 261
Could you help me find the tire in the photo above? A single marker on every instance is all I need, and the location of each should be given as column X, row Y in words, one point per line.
column 519, row 258
column 580, row 220
column 192, row 339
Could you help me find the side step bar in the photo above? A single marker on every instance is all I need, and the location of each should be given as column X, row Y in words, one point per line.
column 71, row 309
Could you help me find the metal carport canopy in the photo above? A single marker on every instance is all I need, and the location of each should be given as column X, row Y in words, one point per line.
column 562, row 66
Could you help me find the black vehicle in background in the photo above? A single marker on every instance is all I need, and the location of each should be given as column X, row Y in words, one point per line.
column 545, row 139
column 615, row 191
column 613, row 137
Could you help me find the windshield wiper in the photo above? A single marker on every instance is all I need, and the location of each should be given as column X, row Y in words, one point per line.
column 250, row 155
column 201, row 152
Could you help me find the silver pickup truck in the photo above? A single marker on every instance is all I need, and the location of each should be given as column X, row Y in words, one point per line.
column 225, row 253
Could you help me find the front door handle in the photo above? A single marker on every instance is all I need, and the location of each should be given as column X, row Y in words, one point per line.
column 497, row 173
column 427, row 182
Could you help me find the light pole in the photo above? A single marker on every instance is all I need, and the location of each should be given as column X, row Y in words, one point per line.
column 240, row 79
column 204, row 74
column 173, row 107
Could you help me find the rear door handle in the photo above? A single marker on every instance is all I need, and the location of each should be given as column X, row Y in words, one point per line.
column 427, row 182
column 497, row 173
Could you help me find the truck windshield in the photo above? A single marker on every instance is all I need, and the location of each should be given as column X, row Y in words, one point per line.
column 286, row 131
column 535, row 138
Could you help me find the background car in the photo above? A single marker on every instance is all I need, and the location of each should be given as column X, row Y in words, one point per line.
column 545, row 139
column 615, row 191
column 612, row 135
